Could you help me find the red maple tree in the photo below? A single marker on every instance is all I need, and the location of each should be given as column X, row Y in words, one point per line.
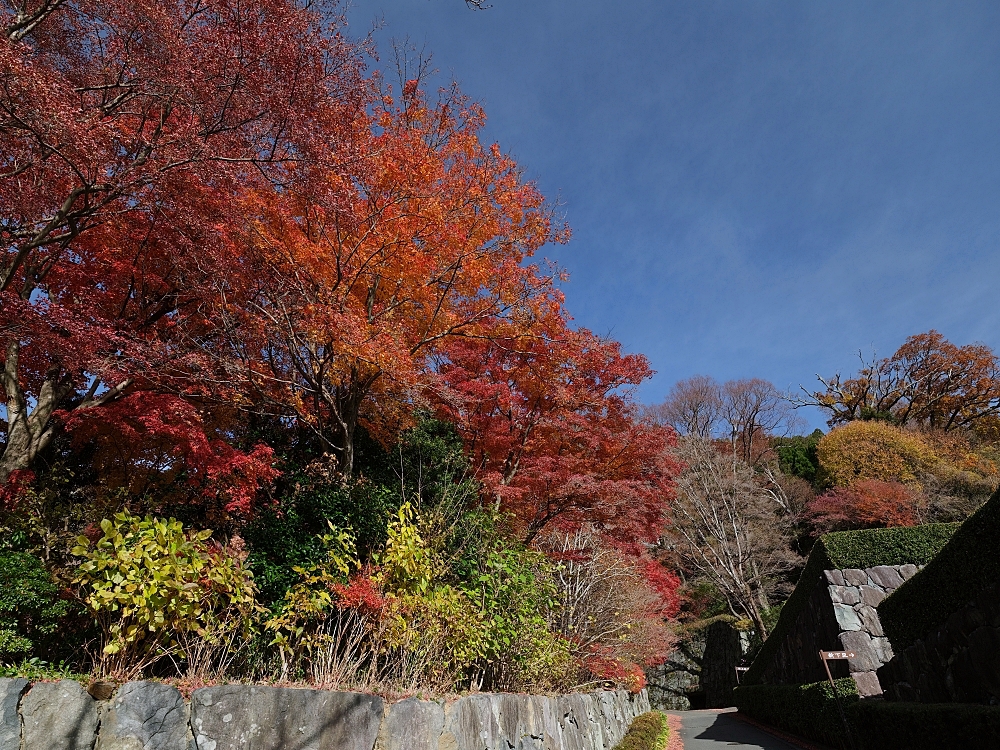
column 555, row 435
column 868, row 503
column 126, row 130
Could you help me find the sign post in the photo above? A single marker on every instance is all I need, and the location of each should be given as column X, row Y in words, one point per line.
column 827, row 657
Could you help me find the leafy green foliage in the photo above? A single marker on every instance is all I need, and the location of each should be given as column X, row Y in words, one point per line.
column 808, row 710
column 881, row 725
column 427, row 468
column 649, row 731
column 433, row 606
column 965, row 566
column 408, row 564
column 298, row 622
column 30, row 605
column 39, row 670
column 797, row 455
column 866, row 548
column 399, row 579
column 147, row 579
column 288, row 535
column 513, row 590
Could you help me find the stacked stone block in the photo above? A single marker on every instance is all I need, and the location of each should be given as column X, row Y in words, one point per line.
column 840, row 615
column 855, row 594
column 956, row 662
column 671, row 684
column 153, row 716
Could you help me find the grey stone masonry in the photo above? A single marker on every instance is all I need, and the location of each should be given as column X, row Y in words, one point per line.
column 154, row 716
column 702, row 668
column 144, row 716
column 10, row 722
column 412, row 724
column 671, row 684
column 840, row 615
column 584, row 721
column 854, row 595
column 58, row 716
column 231, row 717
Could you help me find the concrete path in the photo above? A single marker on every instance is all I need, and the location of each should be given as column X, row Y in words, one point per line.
column 714, row 730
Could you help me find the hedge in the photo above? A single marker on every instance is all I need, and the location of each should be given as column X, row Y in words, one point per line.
column 916, row 545
column 883, row 725
column 900, row 545
column 649, row 731
column 805, row 710
column 967, row 565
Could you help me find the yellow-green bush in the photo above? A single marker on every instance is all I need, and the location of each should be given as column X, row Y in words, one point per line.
column 148, row 580
column 872, row 450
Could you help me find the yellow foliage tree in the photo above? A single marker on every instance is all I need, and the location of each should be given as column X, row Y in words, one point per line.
column 873, row 450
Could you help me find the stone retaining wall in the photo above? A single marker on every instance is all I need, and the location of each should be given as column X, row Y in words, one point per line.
column 956, row 662
column 154, row 716
column 674, row 683
column 841, row 615
column 701, row 671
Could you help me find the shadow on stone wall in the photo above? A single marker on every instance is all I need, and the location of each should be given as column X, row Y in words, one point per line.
column 701, row 672
column 840, row 615
column 956, row 662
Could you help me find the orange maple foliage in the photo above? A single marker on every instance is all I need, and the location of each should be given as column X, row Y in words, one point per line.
column 359, row 285
column 928, row 382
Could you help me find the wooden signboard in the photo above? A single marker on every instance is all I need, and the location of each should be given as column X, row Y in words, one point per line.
column 827, row 657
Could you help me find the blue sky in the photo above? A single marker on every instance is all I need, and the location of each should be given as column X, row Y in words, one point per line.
column 755, row 188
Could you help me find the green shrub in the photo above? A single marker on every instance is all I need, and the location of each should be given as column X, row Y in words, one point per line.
column 649, row 731
column 30, row 605
column 37, row 670
column 797, row 455
column 427, row 467
column 805, row 710
column 900, row 545
column 967, row 565
column 289, row 535
column 916, row 545
column 147, row 581
column 883, row 725
column 299, row 621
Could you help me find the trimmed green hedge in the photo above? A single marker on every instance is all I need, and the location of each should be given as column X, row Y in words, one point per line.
column 883, row 725
column 900, row 545
column 810, row 711
column 916, row 545
column 967, row 565
column 805, row 710
column 649, row 731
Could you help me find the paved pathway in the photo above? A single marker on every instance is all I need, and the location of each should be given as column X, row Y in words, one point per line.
column 714, row 730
